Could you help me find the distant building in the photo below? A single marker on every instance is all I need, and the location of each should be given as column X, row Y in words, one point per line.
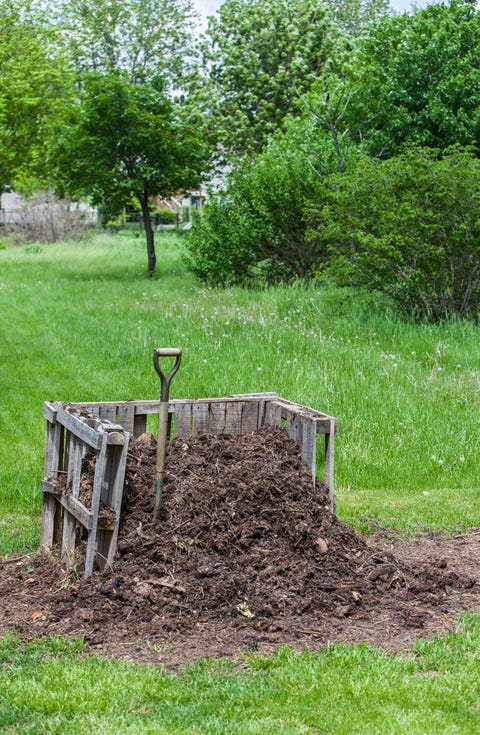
column 10, row 207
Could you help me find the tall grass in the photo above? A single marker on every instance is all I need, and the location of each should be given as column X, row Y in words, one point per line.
column 80, row 322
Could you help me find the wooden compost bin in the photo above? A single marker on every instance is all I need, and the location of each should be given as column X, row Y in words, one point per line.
column 105, row 429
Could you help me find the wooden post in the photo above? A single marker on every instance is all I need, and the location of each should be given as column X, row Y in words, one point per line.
column 51, row 516
column 329, row 464
column 97, row 491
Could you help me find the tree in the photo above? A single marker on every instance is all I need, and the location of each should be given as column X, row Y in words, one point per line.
column 34, row 82
column 139, row 38
column 128, row 140
column 257, row 58
column 416, row 79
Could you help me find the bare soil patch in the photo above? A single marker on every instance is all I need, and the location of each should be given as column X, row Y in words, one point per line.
column 246, row 556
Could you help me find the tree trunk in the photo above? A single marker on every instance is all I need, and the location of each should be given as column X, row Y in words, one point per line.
column 149, row 234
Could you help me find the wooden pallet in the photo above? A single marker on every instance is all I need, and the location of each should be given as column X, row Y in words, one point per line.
column 106, row 427
column 72, row 433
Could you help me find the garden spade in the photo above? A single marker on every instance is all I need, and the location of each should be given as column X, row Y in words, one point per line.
column 163, row 419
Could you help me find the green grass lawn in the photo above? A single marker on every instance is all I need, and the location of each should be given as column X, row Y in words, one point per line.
column 80, row 322
column 51, row 687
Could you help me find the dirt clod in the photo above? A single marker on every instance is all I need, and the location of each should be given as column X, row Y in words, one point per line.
column 246, row 555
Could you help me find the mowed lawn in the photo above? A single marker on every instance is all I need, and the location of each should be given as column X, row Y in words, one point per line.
column 80, row 322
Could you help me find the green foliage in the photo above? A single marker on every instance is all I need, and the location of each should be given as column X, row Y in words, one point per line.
column 258, row 57
column 137, row 38
column 53, row 686
column 34, row 83
column 165, row 216
column 356, row 17
column 117, row 139
column 256, row 231
column 127, row 140
column 34, row 249
column 416, row 79
column 410, row 228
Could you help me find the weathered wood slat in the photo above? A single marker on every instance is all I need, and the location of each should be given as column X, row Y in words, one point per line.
column 49, row 487
column 308, row 445
column 52, row 516
column 323, row 420
column 116, row 437
column 273, row 414
column 68, row 536
column 78, row 428
column 111, row 495
column 50, row 411
column 69, row 455
column 294, row 427
column 96, row 495
column 151, row 406
column 140, row 424
column 50, row 506
column 77, row 510
column 53, row 449
column 217, row 417
column 263, row 402
column 75, row 465
column 112, row 481
column 298, row 408
column 183, row 419
column 329, row 464
column 253, row 396
column 108, row 411
column 249, row 417
column 200, row 418
column 233, row 417
column 126, row 417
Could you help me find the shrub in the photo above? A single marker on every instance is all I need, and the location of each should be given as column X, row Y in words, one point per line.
column 410, row 228
column 256, row 230
column 44, row 218
column 165, row 217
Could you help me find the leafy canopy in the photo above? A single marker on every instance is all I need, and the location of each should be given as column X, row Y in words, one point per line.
column 257, row 57
column 140, row 38
column 416, row 79
column 255, row 231
column 34, row 84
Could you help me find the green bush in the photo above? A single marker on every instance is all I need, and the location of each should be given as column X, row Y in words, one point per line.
column 256, row 231
column 165, row 217
column 410, row 228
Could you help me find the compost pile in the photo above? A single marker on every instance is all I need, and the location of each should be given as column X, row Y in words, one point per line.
column 246, row 554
